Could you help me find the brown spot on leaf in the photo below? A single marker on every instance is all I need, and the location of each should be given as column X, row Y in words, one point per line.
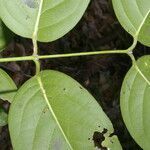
column 45, row 109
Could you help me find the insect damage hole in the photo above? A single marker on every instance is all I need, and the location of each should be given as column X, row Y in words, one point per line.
column 98, row 138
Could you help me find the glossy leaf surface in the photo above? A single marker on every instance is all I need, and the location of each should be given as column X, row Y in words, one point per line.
column 53, row 18
column 57, row 113
column 135, row 103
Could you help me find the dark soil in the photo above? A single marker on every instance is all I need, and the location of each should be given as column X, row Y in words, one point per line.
column 102, row 75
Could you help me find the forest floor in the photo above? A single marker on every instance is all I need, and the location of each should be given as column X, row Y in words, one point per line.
column 102, row 75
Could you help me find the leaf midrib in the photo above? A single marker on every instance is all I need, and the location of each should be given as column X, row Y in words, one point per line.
column 35, row 31
column 142, row 23
column 52, row 111
column 34, row 39
column 136, row 38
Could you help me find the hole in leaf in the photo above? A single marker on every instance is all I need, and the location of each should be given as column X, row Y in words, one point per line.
column 112, row 134
column 98, row 138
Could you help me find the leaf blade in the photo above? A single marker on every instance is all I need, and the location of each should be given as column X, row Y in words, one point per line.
column 64, row 96
column 56, row 18
column 7, row 87
column 3, row 118
column 135, row 102
column 5, row 36
column 133, row 16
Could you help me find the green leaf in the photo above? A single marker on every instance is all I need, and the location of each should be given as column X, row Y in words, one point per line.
column 7, row 87
column 134, row 16
column 5, row 36
column 135, row 102
column 53, row 111
column 53, row 18
column 3, row 118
